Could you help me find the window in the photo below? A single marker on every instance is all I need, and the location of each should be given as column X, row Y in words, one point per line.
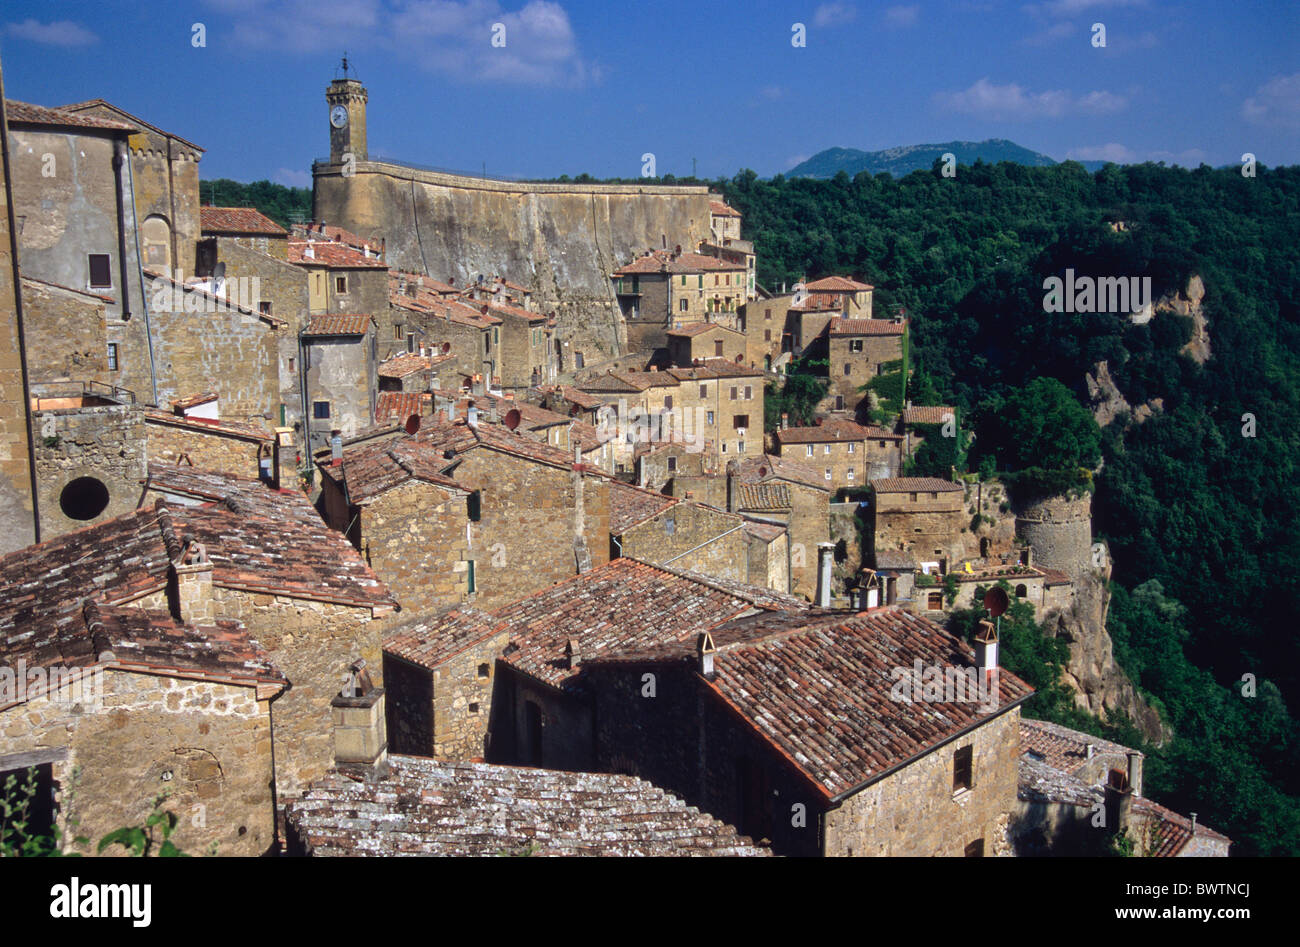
column 484, row 670
column 341, row 285
column 474, row 506
column 320, row 410
column 975, row 849
column 740, row 447
column 855, row 345
column 809, row 450
column 112, row 357
column 683, row 279
column 578, row 360
column 839, row 402
column 672, row 463
column 668, row 401
column 397, row 331
column 853, row 448
column 848, row 369
column 734, row 392
column 882, row 443
column 935, row 602
column 670, row 526
column 704, row 391
column 1021, row 591
column 767, row 335
column 264, row 307
column 724, row 447
column 913, row 497
column 749, row 392
column 717, row 347
column 496, row 335
column 828, row 473
column 473, row 708
column 708, row 417
column 472, row 585
column 739, row 421
column 685, row 305
column 767, row 314
column 934, row 495
column 880, row 370
column 101, row 274
column 850, row 473
column 292, row 363
column 962, row 763
column 826, row 449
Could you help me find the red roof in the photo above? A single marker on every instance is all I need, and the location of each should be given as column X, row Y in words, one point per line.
column 629, row 505
column 335, row 256
column 720, row 209
column 915, row 485
column 238, row 220
column 837, row 284
column 24, row 113
column 343, row 323
column 928, row 414
column 833, row 430
column 867, row 327
column 658, row 262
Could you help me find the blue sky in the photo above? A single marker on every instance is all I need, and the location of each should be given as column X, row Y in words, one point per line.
column 590, row 86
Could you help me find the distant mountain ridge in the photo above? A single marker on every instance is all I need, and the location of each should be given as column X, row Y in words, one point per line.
column 908, row 158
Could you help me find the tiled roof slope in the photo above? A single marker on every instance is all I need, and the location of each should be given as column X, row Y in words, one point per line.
column 238, row 220
column 835, row 429
column 768, row 466
column 372, row 469
column 624, row 605
column 26, row 113
column 837, row 284
column 430, row 641
column 630, row 505
column 1060, row 747
column 915, row 485
column 400, row 405
column 331, row 255
column 822, row 692
column 350, row 323
column 867, row 327
column 928, row 414
column 426, row 807
column 762, row 497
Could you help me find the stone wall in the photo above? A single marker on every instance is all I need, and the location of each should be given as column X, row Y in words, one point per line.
column 342, row 372
column 66, row 335
column 915, row 812
column 1060, row 530
column 462, row 701
column 561, row 240
column 847, row 532
column 207, row 447
column 695, row 538
column 566, row 725
column 103, row 443
column 207, row 744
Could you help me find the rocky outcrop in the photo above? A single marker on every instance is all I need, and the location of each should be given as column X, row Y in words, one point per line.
column 1108, row 402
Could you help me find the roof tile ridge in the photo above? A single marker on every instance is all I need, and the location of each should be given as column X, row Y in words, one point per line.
column 168, row 531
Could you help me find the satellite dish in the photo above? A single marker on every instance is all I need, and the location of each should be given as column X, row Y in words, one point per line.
column 413, row 424
column 219, row 271
column 512, row 418
column 446, row 347
column 996, row 601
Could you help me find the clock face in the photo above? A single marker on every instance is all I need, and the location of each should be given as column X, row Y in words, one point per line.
column 338, row 116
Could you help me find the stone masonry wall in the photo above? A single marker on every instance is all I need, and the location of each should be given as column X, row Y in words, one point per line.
column 413, row 536
column 213, row 739
column 66, row 335
column 210, row 450
column 701, row 540
column 462, row 701
column 915, row 812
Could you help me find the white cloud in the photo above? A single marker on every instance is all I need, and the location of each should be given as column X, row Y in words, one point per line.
column 1276, row 103
column 1120, row 154
column 772, row 92
column 54, row 33
column 1191, row 158
column 1066, row 8
column 834, row 14
column 453, row 37
column 1011, row 102
column 291, row 178
column 1051, row 34
column 902, row 15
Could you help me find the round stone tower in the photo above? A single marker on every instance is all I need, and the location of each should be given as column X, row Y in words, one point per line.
column 1060, row 530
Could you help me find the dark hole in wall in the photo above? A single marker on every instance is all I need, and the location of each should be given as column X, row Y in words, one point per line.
column 83, row 498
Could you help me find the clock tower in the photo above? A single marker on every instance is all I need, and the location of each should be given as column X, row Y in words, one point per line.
column 347, row 117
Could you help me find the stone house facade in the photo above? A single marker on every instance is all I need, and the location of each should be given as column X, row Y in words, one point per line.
column 701, row 340
column 923, row 516
column 858, row 350
column 849, row 454
column 340, row 374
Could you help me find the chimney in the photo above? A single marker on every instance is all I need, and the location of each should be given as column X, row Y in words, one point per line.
column 733, row 474
column 1135, row 771
column 471, row 415
column 1118, row 802
column 1092, row 749
column 189, row 584
column 785, row 420
column 824, row 553
column 336, row 448
column 705, row 649
column 357, row 712
column 986, row 650
column 572, row 654
column 1193, row 815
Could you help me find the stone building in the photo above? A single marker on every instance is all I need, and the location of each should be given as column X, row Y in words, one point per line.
column 18, row 489
column 245, row 227
column 447, row 325
column 341, row 279
column 769, row 326
column 923, row 516
column 1077, row 792
column 240, row 450
column 528, row 356
column 858, row 350
column 67, row 335
column 467, row 511
column 699, row 340
column 790, row 494
column 850, row 296
column 662, row 290
column 426, row 807
column 340, row 375
column 415, row 372
column 439, row 672
column 724, row 221
column 728, row 731
column 849, row 454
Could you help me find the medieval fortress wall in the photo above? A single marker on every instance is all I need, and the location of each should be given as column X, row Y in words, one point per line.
column 561, row 240
column 1060, row 530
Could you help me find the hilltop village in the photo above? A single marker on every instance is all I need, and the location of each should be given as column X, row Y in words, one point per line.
column 352, row 543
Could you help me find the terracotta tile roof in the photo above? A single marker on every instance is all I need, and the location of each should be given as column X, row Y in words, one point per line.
column 763, row 497
column 238, row 220
column 1039, row 781
column 614, row 382
column 335, row 234
column 579, row 397
column 423, row 283
column 867, row 327
column 209, row 425
column 713, row 368
column 928, row 414
column 1054, row 576
column 428, row 807
column 131, row 119
column 722, row 209
column 837, row 284
column 372, row 469
column 770, row 466
column 767, row 532
column 915, row 485
column 624, row 605
column 209, row 485
column 24, row 113
column 819, row 689
column 399, row 366
column 699, row 328
column 350, row 323
column 449, row 309
column 834, row 429
column 1060, row 747
column 1172, row 831
column 629, row 505
column 431, row 641
column 400, row 405
column 661, row 262
column 334, row 256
